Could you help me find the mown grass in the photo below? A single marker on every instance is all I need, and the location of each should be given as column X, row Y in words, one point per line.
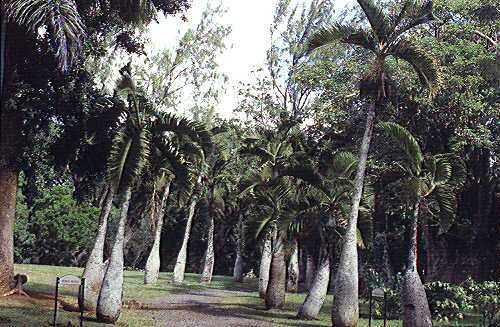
column 16, row 311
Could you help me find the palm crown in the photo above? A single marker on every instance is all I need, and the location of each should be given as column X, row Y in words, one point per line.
column 387, row 37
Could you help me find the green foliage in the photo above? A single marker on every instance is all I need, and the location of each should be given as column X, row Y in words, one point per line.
column 485, row 297
column 56, row 230
column 447, row 301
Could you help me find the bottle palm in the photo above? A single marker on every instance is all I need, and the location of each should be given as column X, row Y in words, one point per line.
column 387, row 37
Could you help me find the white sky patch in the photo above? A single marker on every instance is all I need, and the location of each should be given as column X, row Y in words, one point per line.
column 247, row 43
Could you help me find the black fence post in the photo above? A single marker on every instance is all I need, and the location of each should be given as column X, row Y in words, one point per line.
column 55, row 303
column 385, row 309
column 82, row 297
column 370, row 311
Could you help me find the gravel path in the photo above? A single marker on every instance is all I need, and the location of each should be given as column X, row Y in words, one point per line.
column 203, row 308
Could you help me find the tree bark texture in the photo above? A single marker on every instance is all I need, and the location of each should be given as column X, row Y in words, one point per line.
column 152, row 268
column 345, row 309
column 180, row 265
column 310, row 270
column 317, row 294
column 109, row 303
column 10, row 134
column 293, row 269
column 416, row 311
column 208, row 266
column 275, row 293
column 238, row 264
column 265, row 266
column 95, row 266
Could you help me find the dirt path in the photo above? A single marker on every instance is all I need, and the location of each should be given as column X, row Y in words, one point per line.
column 203, row 308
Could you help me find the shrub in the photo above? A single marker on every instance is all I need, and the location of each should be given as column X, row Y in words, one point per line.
column 57, row 230
column 485, row 298
column 447, row 301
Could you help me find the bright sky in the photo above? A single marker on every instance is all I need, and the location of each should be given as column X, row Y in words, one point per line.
column 250, row 21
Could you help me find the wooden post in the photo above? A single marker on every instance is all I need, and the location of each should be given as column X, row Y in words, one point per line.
column 55, row 303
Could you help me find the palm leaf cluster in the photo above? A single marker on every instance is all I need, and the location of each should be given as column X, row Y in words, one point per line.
column 386, row 38
column 59, row 17
column 434, row 178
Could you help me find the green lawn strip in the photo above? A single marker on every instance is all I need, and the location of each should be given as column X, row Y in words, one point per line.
column 42, row 279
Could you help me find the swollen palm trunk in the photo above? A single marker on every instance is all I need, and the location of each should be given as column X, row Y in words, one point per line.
column 317, row 293
column 95, row 266
column 275, row 293
column 416, row 311
column 265, row 265
column 238, row 268
column 208, row 267
column 310, row 271
column 109, row 303
column 180, row 265
column 345, row 309
column 152, row 268
column 293, row 269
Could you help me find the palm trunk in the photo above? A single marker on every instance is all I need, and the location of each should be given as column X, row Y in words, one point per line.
column 180, row 265
column 95, row 266
column 109, row 303
column 238, row 264
column 265, row 266
column 317, row 294
column 10, row 134
column 345, row 309
column 310, row 270
column 416, row 311
column 380, row 249
column 275, row 293
column 293, row 269
column 208, row 267
column 152, row 268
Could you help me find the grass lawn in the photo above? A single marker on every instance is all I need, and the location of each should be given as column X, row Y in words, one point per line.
column 37, row 311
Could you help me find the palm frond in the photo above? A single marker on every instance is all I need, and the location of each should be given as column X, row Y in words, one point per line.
column 260, row 152
column 443, row 171
column 62, row 19
column 422, row 62
column 379, row 21
column 447, row 204
column 196, row 132
column 420, row 12
column 344, row 164
column 128, row 156
column 334, row 33
column 137, row 12
column 406, row 142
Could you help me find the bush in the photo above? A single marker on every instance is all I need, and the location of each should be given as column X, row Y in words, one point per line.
column 447, row 301
column 485, row 298
column 57, row 230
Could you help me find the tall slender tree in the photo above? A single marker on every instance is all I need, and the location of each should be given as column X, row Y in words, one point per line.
column 387, row 37
column 423, row 180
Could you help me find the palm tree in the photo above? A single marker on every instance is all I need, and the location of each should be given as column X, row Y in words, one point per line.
column 216, row 192
column 180, row 264
column 431, row 179
column 324, row 207
column 386, row 38
column 197, row 155
column 292, row 283
column 129, row 155
column 167, row 161
column 274, row 153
